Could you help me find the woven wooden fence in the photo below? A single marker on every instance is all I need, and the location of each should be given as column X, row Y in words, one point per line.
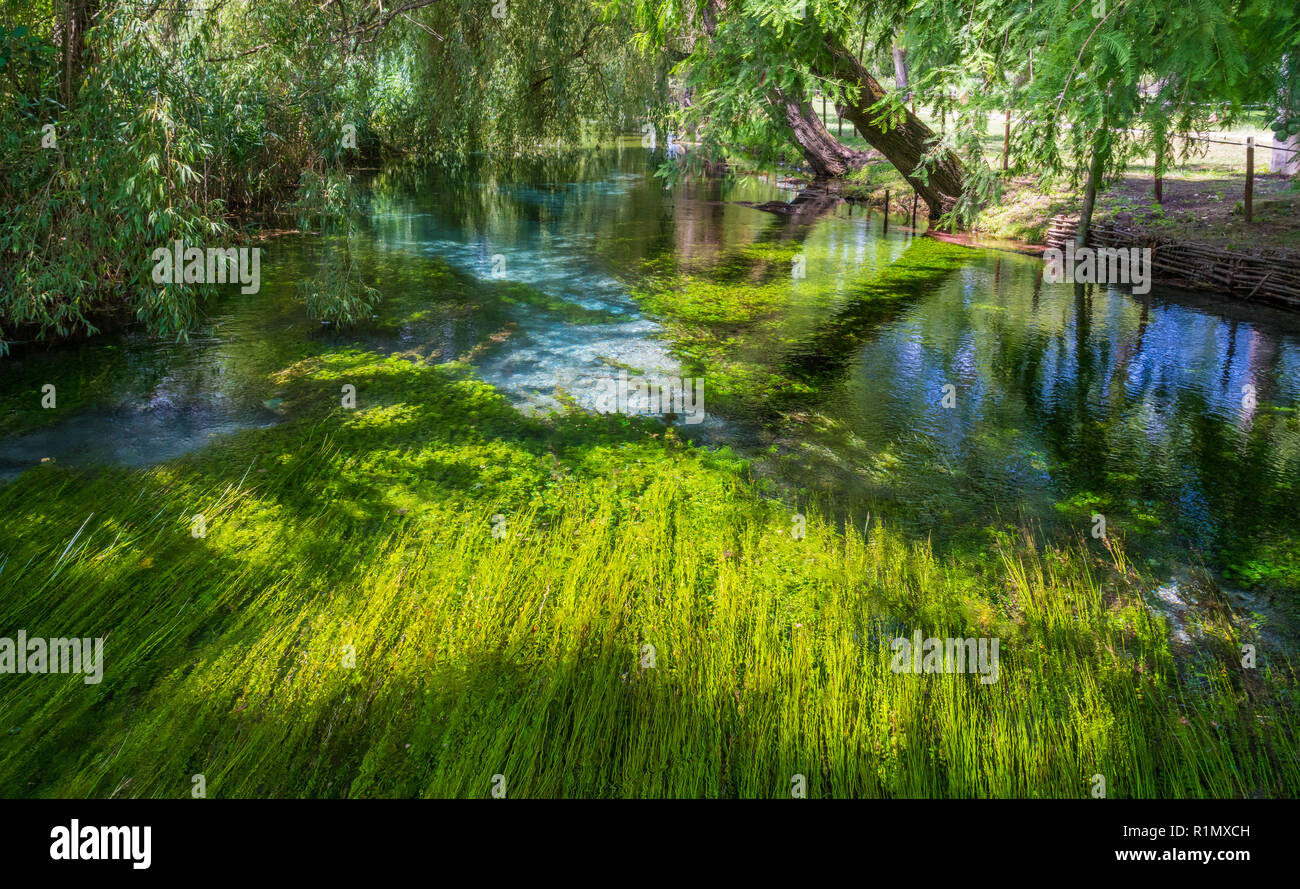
column 1272, row 276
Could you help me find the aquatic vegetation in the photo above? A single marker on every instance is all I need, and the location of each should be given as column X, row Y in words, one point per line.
column 408, row 598
column 407, row 587
column 515, row 293
column 729, row 320
column 930, row 523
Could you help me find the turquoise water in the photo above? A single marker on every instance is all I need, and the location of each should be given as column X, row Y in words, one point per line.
column 550, row 278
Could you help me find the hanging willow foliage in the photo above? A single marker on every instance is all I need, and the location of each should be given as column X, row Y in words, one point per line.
column 126, row 125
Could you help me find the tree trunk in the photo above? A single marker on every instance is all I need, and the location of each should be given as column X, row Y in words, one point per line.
column 1161, row 151
column 1287, row 162
column 827, row 156
column 1089, row 195
column 900, row 72
column 903, row 145
column 75, row 24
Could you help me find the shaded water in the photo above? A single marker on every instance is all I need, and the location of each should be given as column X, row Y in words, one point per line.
column 824, row 342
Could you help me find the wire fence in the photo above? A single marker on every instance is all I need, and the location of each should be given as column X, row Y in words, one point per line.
column 1276, row 146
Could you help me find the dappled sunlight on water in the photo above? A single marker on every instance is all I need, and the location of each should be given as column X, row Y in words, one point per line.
column 826, row 345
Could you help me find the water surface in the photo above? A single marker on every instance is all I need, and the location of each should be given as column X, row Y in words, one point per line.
column 826, row 345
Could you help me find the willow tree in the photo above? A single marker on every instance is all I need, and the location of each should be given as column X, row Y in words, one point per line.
column 759, row 60
column 124, row 126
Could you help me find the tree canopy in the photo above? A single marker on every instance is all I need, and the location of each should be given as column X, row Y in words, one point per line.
column 125, row 124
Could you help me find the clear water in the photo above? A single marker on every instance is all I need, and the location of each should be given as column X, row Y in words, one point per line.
column 1069, row 402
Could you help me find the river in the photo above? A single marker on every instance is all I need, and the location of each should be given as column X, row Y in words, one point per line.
column 826, row 346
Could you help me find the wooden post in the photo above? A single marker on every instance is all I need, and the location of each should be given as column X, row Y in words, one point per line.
column 915, row 196
column 839, row 124
column 823, row 107
column 1006, row 140
column 886, row 228
column 1161, row 151
column 1250, row 176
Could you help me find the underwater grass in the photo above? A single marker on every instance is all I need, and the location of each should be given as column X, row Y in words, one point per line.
column 731, row 320
column 350, row 626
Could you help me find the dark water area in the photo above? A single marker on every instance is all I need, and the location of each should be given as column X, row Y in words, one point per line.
column 824, row 343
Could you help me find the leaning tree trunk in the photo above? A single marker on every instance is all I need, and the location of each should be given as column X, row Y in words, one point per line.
column 827, row 156
column 903, row 145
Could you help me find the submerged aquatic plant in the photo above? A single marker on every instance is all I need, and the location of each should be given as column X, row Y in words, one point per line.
column 411, row 597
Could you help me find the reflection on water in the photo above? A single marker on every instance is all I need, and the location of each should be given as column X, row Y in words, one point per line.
column 575, row 242
column 1069, row 404
column 825, row 343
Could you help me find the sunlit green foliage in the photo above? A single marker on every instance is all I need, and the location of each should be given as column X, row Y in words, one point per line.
column 1097, row 84
column 370, row 533
column 327, row 204
column 192, row 118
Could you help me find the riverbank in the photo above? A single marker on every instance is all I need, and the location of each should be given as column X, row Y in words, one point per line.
column 1203, row 210
column 1200, row 235
column 429, row 591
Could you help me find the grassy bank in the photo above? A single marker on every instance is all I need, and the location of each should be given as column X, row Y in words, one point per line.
column 1203, row 200
column 1200, row 206
column 350, row 625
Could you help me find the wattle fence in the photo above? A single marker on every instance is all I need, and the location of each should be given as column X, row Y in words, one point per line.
column 1266, row 276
